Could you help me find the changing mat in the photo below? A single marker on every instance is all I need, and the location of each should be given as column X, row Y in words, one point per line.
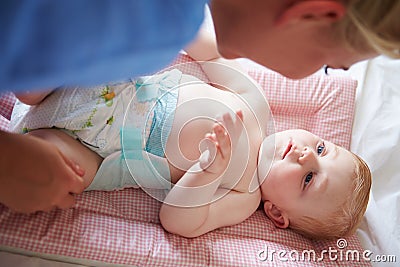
column 122, row 228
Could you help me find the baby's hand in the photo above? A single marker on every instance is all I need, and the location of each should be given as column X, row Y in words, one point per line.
column 218, row 145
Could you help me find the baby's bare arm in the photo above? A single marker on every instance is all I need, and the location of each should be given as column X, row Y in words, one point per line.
column 195, row 204
column 204, row 47
column 230, row 209
column 222, row 73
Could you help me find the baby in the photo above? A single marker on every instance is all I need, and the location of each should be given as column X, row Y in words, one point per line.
column 315, row 187
column 210, row 142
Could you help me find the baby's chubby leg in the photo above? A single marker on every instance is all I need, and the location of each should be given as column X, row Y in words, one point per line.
column 87, row 159
column 33, row 97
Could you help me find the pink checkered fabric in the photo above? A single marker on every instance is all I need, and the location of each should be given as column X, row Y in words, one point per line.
column 7, row 101
column 123, row 228
column 321, row 104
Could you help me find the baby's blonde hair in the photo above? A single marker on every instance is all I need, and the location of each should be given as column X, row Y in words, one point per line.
column 372, row 25
column 345, row 220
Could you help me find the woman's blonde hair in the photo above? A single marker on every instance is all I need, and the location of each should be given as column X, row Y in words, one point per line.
column 372, row 25
column 345, row 220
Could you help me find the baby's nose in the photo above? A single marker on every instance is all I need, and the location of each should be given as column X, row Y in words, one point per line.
column 306, row 155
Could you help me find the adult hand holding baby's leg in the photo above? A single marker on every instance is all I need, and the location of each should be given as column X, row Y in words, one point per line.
column 35, row 175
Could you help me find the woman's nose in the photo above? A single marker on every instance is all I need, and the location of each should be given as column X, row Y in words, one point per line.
column 306, row 155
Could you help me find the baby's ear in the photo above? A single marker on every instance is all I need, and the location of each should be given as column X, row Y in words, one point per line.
column 276, row 215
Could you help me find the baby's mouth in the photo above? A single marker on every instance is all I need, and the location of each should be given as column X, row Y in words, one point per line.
column 288, row 148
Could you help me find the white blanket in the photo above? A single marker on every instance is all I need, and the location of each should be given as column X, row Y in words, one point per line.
column 376, row 137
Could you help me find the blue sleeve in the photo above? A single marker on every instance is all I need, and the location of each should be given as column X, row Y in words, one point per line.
column 48, row 43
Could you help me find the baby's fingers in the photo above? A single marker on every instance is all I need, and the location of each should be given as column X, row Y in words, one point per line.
column 223, row 142
column 208, row 151
column 239, row 113
column 234, row 127
column 227, row 121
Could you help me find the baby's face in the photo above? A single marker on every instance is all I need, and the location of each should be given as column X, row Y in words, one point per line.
column 308, row 176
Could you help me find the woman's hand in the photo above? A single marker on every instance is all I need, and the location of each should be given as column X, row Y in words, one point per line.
column 35, row 175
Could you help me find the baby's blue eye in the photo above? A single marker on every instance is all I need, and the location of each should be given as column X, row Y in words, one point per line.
column 320, row 149
column 308, row 179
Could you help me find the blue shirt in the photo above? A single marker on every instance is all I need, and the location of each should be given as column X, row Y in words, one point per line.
column 48, row 43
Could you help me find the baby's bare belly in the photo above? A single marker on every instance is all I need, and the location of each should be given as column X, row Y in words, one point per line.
column 198, row 107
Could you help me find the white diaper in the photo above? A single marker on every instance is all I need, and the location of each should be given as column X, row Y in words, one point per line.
column 117, row 172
